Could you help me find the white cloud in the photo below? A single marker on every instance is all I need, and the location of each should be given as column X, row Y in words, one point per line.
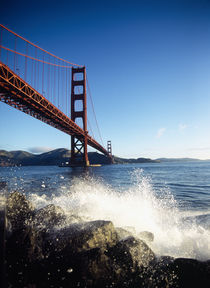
column 38, row 150
column 160, row 132
column 182, row 126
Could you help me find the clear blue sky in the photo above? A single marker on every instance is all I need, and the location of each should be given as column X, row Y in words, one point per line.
column 148, row 65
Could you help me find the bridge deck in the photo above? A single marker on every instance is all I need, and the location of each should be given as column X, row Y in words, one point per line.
column 15, row 92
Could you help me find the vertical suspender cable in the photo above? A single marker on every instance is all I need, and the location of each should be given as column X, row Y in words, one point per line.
column 94, row 113
column 69, row 94
column 43, row 77
column 25, row 78
column 35, row 69
column 58, row 83
column 32, row 70
column 7, row 57
column 54, row 82
column 1, row 40
column 66, row 88
column 15, row 53
column 48, row 80
column 61, row 105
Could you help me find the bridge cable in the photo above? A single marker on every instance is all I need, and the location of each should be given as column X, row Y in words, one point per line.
column 94, row 112
column 38, row 46
column 36, row 59
column 90, row 128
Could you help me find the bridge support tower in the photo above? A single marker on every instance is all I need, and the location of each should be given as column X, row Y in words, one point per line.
column 79, row 155
column 109, row 147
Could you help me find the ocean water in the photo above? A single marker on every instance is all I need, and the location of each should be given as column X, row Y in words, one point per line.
column 171, row 200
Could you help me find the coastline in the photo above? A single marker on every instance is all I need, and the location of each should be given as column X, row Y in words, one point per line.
column 46, row 248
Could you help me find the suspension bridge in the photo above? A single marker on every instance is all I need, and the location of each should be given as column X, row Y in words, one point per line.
column 50, row 89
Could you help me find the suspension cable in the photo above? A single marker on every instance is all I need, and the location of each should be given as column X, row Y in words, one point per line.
column 36, row 59
column 38, row 46
column 90, row 128
column 91, row 100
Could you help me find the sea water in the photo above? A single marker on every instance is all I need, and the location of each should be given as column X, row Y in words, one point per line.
column 171, row 200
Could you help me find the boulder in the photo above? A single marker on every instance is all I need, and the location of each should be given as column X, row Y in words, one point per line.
column 23, row 251
column 159, row 274
column 19, row 210
column 191, row 272
column 77, row 254
column 87, row 254
column 141, row 254
column 84, row 236
column 179, row 272
column 49, row 217
column 132, row 253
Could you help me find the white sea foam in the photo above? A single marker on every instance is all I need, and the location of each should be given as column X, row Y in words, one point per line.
column 136, row 209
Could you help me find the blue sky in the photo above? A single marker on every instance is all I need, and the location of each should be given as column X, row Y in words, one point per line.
column 148, row 65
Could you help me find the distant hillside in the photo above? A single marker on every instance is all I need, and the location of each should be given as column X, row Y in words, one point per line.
column 55, row 157
column 177, row 159
column 58, row 157
column 119, row 160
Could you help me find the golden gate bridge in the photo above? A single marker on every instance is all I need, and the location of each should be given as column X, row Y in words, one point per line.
column 50, row 89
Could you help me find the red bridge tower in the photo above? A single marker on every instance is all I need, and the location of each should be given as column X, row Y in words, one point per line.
column 79, row 155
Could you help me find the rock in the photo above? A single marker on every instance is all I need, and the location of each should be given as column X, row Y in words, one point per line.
column 49, row 216
column 88, row 254
column 23, row 251
column 85, row 236
column 180, row 272
column 191, row 272
column 81, row 249
column 19, row 210
column 146, row 236
column 159, row 274
column 134, row 252
column 141, row 254
column 123, row 233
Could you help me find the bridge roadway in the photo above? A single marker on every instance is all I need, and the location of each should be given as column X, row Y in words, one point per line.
column 15, row 92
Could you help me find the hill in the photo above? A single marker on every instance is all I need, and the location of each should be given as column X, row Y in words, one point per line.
column 58, row 157
column 177, row 159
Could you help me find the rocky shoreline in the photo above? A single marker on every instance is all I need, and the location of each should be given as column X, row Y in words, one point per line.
column 46, row 248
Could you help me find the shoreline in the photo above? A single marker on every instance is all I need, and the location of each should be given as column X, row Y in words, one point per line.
column 65, row 252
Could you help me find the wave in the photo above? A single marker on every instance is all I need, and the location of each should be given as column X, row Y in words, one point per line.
column 136, row 209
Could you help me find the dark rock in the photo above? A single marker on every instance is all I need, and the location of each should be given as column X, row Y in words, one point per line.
column 19, row 210
column 87, row 254
column 49, row 217
column 178, row 273
column 191, row 272
column 85, row 236
column 141, row 254
column 23, row 251
column 159, row 274
column 133, row 252
column 77, row 254
column 95, row 257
